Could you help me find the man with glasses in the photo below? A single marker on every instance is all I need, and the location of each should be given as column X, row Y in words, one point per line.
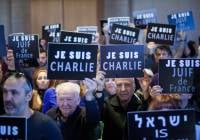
column 17, row 93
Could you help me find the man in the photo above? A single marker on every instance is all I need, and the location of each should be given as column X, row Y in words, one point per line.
column 161, row 52
column 17, row 93
column 116, row 108
column 42, row 60
column 74, row 122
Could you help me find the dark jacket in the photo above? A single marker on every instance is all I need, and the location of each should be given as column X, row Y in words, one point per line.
column 80, row 125
column 115, row 118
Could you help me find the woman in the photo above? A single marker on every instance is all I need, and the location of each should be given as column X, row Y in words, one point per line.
column 41, row 84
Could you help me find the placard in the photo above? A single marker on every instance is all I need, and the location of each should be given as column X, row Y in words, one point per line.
column 122, row 61
column 13, row 128
column 179, row 75
column 161, row 33
column 88, row 29
column 157, row 125
column 123, row 34
column 184, row 21
column 118, row 20
column 2, row 42
column 71, row 61
column 74, row 37
column 51, row 33
column 25, row 49
column 143, row 17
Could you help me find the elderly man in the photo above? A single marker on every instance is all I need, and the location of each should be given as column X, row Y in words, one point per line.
column 116, row 108
column 17, row 93
column 75, row 122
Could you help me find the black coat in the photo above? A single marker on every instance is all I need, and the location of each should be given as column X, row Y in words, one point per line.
column 115, row 118
column 81, row 125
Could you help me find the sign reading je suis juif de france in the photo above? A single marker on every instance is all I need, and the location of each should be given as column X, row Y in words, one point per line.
column 51, row 32
column 179, row 75
column 184, row 21
column 161, row 33
column 13, row 128
column 143, row 17
column 2, row 42
column 71, row 61
column 25, row 49
column 122, row 61
column 157, row 125
column 123, row 34
column 75, row 37
column 118, row 20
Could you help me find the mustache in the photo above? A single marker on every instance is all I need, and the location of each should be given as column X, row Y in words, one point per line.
column 8, row 103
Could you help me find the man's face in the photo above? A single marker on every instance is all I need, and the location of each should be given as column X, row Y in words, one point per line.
column 125, row 88
column 67, row 102
column 14, row 96
column 42, row 59
column 161, row 54
column 42, row 81
column 42, row 42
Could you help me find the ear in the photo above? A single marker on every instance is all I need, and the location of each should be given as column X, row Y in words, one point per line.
column 78, row 101
column 28, row 96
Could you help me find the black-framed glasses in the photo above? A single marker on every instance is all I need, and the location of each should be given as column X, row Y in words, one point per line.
column 21, row 75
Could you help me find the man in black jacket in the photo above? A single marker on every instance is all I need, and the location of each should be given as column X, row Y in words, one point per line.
column 116, row 108
column 75, row 122
column 17, row 93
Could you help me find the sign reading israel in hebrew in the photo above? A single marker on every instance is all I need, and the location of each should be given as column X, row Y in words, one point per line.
column 25, row 49
column 88, row 29
column 2, row 42
column 184, row 21
column 123, row 34
column 74, row 37
column 157, row 125
column 71, row 61
column 13, row 128
column 51, row 32
column 161, row 33
column 179, row 75
column 118, row 20
column 142, row 18
column 122, row 61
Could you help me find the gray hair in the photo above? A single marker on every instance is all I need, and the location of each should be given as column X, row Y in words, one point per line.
column 68, row 87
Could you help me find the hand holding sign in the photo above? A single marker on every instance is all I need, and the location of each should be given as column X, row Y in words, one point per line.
column 90, row 88
column 100, row 80
column 155, row 91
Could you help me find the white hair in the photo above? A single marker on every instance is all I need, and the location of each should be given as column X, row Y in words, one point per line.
column 68, row 87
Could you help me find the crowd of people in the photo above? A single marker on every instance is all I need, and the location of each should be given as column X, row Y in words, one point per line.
column 90, row 108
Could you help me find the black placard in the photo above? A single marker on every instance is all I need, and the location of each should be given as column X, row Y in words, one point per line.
column 118, row 20
column 122, row 61
column 74, row 37
column 89, row 30
column 25, row 48
column 143, row 17
column 51, row 32
column 179, row 75
column 71, row 61
column 2, row 42
column 157, row 125
column 123, row 35
column 161, row 33
column 13, row 128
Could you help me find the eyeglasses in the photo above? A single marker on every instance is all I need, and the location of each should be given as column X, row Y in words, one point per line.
column 21, row 75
